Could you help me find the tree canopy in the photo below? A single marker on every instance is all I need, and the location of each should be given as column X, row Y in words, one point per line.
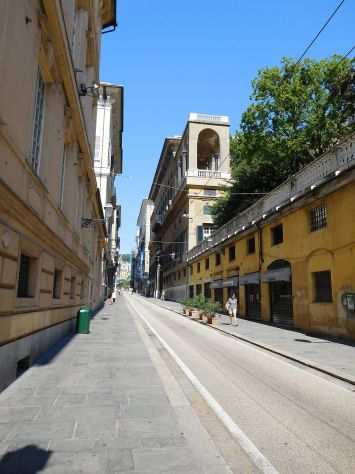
column 297, row 112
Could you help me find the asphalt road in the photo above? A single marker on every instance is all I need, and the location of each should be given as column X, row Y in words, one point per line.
column 300, row 421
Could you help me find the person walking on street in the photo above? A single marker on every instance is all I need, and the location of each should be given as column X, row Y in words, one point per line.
column 232, row 308
column 114, row 295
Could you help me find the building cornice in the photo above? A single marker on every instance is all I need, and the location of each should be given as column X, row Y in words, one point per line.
column 23, row 217
column 60, row 41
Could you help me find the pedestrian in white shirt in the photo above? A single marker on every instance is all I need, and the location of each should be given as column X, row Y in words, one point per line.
column 114, row 295
column 232, row 308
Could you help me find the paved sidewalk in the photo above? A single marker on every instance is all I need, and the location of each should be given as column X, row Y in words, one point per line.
column 331, row 357
column 95, row 404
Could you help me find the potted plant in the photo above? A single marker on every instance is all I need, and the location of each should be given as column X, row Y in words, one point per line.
column 211, row 308
column 188, row 304
column 199, row 303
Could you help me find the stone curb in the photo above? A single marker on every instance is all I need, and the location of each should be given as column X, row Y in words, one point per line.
column 325, row 370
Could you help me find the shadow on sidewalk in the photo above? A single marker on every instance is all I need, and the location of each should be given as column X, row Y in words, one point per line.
column 28, row 460
column 52, row 353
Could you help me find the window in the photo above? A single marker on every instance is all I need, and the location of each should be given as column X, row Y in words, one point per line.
column 322, row 285
column 208, row 230
column 207, row 263
column 184, row 272
column 191, row 270
column 218, row 259
column 37, row 123
column 208, row 290
column 26, row 277
column 198, row 289
column 198, row 267
column 277, row 235
column 251, row 245
column 318, row 218
column 62, row 179
column 207, row 210
column 57, row 284
column 210, row 192
column 204, row 231
column 191, row 291
column 97, row 148
column 231, row 253
column 72, row 287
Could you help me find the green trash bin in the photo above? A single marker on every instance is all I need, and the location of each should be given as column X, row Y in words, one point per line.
column 84, row 321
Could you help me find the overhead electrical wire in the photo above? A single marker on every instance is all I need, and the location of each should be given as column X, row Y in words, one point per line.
column 319, row 32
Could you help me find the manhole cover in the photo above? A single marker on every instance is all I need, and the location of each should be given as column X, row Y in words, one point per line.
column 303, row 340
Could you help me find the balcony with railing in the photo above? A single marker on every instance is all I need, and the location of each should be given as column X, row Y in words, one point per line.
column 210, row 174
column 323, row 169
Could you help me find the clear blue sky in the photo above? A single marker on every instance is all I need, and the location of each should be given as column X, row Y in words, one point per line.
column 176, row 57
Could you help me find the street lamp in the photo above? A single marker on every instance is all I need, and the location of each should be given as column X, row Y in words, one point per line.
column 92, row 91
column 88, row 222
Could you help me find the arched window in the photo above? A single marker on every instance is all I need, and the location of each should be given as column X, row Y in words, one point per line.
column 208, row 150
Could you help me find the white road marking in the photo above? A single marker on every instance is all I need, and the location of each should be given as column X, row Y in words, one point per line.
column 246, row 444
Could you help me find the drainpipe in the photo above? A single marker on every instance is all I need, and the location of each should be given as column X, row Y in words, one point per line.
column 261, row 259
column 260, row 239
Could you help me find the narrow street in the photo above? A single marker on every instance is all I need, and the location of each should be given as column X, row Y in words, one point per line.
column 301, row 422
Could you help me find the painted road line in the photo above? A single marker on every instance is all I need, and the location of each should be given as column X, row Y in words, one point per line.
column 246, row 444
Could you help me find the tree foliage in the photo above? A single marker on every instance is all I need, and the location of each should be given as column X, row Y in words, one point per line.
column 297, row 112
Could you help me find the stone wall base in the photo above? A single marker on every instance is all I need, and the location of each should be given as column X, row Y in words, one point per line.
column 31, row 346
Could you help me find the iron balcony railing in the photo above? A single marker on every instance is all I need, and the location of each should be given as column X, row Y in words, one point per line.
column 329, row 165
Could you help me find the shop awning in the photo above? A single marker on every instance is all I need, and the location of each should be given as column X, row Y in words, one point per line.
column 278, row 274
column 249, row 278
column 231, row 282
column 217, row 284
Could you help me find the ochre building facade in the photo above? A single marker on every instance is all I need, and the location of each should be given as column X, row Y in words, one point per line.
column 290, row 258
column 49, row 264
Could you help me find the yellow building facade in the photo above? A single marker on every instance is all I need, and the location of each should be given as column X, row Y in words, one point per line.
column 293, row 263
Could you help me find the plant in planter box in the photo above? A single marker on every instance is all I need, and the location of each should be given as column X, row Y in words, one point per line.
column 199, row 302
column 188, row 305
column 211, row 308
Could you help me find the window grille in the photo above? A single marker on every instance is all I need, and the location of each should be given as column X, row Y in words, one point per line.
column 72, row 287
column 23, row 287
column 231, row 252
column 207, row 210
column 57, row 283
column 251, row 245
column 277, row 236
column 62, row 179
column 208, row 230
column 37, row 123
column 322, row 287
column 210, row 192
column 318, row 217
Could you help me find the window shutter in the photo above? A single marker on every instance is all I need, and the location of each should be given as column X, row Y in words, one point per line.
column 199, row 233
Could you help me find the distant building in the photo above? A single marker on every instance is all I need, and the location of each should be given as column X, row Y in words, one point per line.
column 124, row 268
column 141, row 274
column 107, row 164
column 193, row 171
